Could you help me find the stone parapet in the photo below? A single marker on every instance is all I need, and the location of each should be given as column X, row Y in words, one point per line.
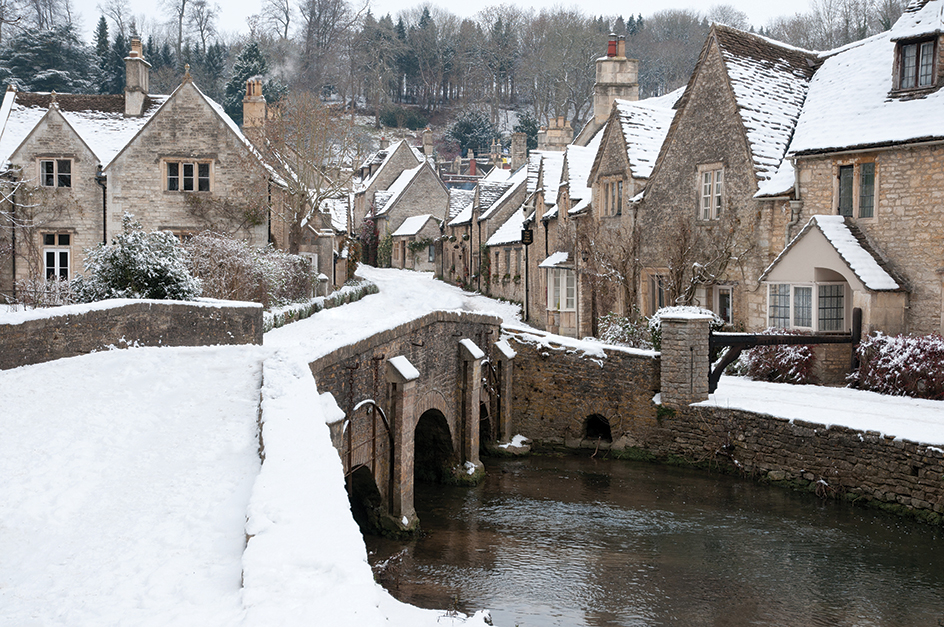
column 685, row 361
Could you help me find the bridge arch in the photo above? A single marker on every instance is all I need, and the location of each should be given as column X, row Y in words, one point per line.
column 434, row 455
column 365, row 499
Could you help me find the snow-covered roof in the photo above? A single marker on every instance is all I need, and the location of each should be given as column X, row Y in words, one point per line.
column 579, row 163
column 382, row 157
column 98, row 119
column 491, row 199
column 770, row 82
column 413, row 225
column 385, row 199
column 555, row 260
column 510, row 231
column 338, row 209
column 849, row 105
column 459, row 199
column 852, row 246
column 644, row 126
column 463, row 216
column 919, row 19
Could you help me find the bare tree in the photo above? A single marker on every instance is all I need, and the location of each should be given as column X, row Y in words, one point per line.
column 179, row 10
column 279, row 14
column 118, row 11
column 203, row 20
column 727, row 14
column 11, row 14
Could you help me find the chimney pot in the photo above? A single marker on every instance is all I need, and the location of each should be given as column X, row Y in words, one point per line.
column 611, row 46
column 621, row 47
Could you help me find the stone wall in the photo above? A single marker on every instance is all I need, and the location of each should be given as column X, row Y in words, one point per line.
column 82, row 329
column 557, row 388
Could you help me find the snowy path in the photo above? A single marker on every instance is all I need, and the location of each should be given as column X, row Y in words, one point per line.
column 907, row 418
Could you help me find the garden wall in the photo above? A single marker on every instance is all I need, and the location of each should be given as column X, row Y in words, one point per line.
column 557, row 388
column 41, row 335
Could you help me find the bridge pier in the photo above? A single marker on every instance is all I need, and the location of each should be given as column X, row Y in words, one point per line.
column 401, row 379
column 470, row 386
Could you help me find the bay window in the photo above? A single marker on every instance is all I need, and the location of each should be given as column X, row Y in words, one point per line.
column 818, row 307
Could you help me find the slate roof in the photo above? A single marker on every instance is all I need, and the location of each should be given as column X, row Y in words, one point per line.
column 413, row 225
column 510, row 231
column 459, row 199
column 770, row 81
column 851, row 105
column 385, row 199
column 853, row 247
column 644, row 126
column 98, row 119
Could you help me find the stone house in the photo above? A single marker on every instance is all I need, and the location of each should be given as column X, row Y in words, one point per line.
column 416, row 242
column 76, row 163
column 496, row 197
column 712, row 215
column 867, row 227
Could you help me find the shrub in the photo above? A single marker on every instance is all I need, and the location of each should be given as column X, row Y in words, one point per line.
column 233, row 269
column 655, row 322
column 901, row 365
column 778, row 364
column 630, row 331
column 136, row 265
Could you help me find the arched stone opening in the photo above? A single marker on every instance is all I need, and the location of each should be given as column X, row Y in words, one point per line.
column 597, row 428
column 366, row 502
column 433, row 453
column 486, row 433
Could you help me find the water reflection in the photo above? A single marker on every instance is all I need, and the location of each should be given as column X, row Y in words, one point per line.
column 547, row 541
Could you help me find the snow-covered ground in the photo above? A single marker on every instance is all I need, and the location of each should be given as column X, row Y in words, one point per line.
column 131, row 480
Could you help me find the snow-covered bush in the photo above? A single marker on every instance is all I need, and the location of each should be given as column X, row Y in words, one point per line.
column 630, row 331
column 901, row 365
column 37, row 293
column 352, row 291
column 780, row 363
column 232, row 269
column 655, row 322
column 136, row 265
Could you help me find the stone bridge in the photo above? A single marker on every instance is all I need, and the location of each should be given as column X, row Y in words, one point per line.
column 418, row 401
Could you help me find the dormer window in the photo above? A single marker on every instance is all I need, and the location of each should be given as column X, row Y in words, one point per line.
column 916, row 64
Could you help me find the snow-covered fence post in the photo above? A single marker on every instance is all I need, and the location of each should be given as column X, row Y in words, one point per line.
column 685, row 365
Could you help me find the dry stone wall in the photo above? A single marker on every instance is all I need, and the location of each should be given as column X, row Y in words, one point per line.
column 78, row 330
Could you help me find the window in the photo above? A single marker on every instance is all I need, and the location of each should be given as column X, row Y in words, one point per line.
column 916, row 64
column 657, row 293
column 183, row 176
column 431, row 253
column 561, row 289
column 507, row 261
column 723, row 300
column 613, row 198
column 711, row 186
column 518, row 262
column 793, row 306
column 56, row 251
column 55, row 172
column 856, row 190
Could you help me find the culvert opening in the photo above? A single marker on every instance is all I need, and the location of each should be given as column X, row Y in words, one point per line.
column 597, row 427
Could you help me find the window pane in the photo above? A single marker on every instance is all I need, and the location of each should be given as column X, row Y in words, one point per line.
column 845, row 190
column 48, row 173
column 831, row 308
column 49, row 239
column 203, row 177
column 571, row 279
column 717, row 207
column 432, row 252
column 779, row 308
column 65, row 173
column 63, row 264
column 803, row 306
column 188, row 177
column 724, row 304
column 173, row 176
column 866, row 190
column 50, row 264
column 63, row 239
column 909, row 59
column 619, row 198
column 926, row 63
column 706, row 196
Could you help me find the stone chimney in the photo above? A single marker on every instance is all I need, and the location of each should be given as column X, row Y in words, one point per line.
column 519, row 150
column 137, row 77
column 428, row 142
column 617, row 77
column 254, row 104
column 383, row 142
column 557, row 135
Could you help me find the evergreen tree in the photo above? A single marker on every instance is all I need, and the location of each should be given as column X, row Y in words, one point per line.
column 528, row 125
column 113, row 73
column 472, row 130
column 249, row 63
column 48, row 60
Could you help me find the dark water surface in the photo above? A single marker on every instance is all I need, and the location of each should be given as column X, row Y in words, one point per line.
column 576, row 541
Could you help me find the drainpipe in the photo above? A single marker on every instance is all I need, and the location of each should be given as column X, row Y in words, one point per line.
column 102, row 181
column 13, row 239
column 796, row 206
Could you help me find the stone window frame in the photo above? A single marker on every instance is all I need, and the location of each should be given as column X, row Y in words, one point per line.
column 561, row 289
column 715, row 188
column 925, row 49
column 58, row 244
column 431, row 253
column 175, row 183
column 716, row 302
column 655, row 292
column 612, row 190
column 59, row 179
column 816, row 319
column 857, row 188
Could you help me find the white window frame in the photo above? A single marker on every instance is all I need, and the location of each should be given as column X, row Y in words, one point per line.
column 710, row 191
column 816, row 323
column 61, row 252
column 561, row 289
column 177, row 179
column 59, row 178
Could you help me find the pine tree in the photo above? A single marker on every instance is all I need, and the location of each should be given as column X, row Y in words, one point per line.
column 113, row 74
column 249, row 63
column 49, row 60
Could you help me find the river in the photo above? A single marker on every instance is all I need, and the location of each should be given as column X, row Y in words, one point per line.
column 572, row 541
